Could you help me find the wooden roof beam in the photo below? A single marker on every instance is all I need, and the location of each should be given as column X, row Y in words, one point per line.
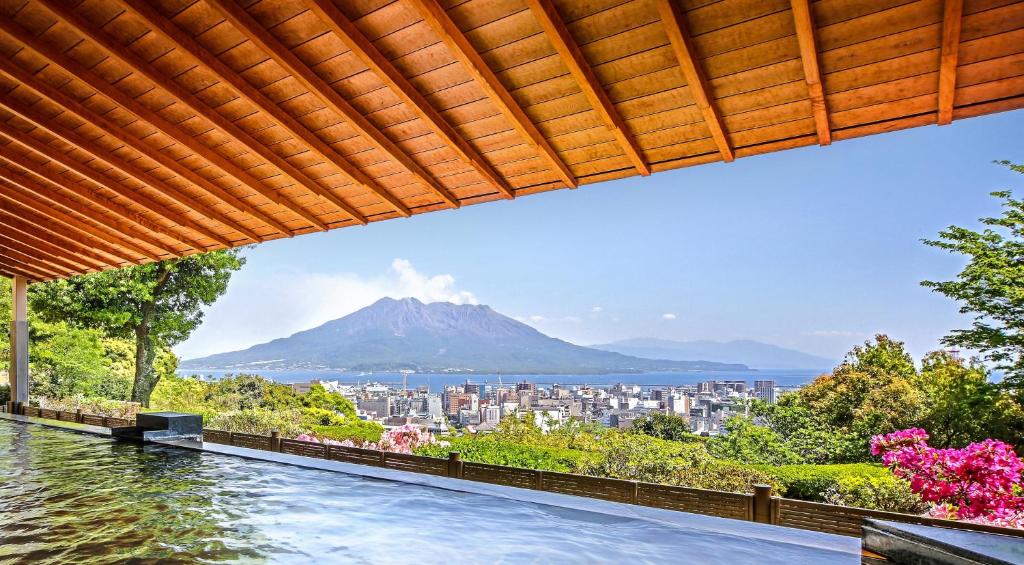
column 144, row 68
column 174, row 131
column 124, row 230
column 564, row 43
column 30, row 256
column 186, row 44
column 37, row 263
column 15, row 159
column 363, row 48
column 10, row 191
column 330, row 97
column 13, row 268
column 952, row 19
column 112, row 185
column 805, row 36
column 51, row 240
column 436, row 16
column 675, row 26
column 70, row 137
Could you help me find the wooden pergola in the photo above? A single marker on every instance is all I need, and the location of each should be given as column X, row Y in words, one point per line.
column 140, row 130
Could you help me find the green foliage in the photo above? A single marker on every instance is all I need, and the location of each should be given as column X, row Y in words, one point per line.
column 157, row 304
column 66, row 361
column 811, row 482
column 663, row 426
column 746, row 442
column 359, row 431
column 871, row 392
column 260, row 422
column 991, row 286
column 644, row 458
column 242, row 403
column 875, row 493
column 493, row 451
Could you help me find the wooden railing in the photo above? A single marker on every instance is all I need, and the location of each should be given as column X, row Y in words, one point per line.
column 758, row 507
column 77, row 417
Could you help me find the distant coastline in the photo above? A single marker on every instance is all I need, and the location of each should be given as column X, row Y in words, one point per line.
column 436, row 381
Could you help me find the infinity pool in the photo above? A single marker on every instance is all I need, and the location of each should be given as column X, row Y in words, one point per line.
column 68, row 497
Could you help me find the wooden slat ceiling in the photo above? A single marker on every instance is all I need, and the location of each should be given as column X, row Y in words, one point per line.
column 136, row 130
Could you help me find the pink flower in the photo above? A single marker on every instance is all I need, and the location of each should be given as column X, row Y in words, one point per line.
column 976, row 482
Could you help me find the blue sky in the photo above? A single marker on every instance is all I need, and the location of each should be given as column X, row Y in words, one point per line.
column 813, row 248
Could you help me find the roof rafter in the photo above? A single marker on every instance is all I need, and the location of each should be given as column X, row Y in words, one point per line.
column 14, row 158
column 286, row 121
column 75, row 69
column 319, row 88
column 952, row 20
column 33, row 256
column 560, row 37
column 363, row 48
column 35, row 262
column 142, row 67
column 436, row 16
column 13, row 269
column 112, row 185
column 53, row 241
column 675, row 26
column 9, row 191
column 54, row 195
column 71, row 138
column 805, row 36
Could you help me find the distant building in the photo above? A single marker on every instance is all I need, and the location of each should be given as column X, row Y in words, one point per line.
column 380, row 407
column 526, row 387
column 765, row 390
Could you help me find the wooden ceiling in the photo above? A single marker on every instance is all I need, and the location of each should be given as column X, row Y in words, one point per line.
column 137, row 130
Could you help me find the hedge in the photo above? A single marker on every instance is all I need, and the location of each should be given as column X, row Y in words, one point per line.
column 811, row 482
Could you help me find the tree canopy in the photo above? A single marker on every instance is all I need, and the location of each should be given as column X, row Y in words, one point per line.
column 991, row 286
column 157, row 304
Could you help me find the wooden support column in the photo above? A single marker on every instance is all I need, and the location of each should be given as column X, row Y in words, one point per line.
column 18, row 368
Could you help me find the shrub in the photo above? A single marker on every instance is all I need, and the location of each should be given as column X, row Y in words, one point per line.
column 663, row 426
column 982, row 480
column 746, row 442
column 498, row 452
column 875, row 493
column 356, row 431
column 97, row 406
column 5, row 394
column 260, row 422
column 811, row 482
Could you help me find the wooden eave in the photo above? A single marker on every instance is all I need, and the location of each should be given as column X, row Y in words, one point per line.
column 140, row 130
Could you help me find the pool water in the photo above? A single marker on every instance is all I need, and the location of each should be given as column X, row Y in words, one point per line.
column 68, row 497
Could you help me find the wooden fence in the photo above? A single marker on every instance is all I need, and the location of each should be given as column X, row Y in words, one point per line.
column 757, row 507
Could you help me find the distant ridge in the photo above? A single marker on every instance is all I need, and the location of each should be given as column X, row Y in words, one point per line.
column 754, row 354
column 392, row 335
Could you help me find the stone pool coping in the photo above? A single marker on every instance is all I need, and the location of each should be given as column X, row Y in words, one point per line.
column 841, row 545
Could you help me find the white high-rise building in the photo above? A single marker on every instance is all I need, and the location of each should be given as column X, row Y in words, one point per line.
column 765, row 390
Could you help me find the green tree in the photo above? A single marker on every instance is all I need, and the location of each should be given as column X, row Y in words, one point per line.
column 991, row 286
column 663, row 426
column 156, row 304
column 746, row 442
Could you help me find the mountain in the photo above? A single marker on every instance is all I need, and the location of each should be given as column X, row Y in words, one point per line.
column 751, row 353
column 393, row 335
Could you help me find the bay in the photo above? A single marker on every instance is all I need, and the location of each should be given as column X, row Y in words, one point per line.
column 787, row 378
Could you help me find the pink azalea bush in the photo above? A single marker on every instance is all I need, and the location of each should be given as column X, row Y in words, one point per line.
column 403, row 439
column 980, row 482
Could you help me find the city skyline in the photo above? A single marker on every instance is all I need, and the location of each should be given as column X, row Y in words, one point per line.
column 802, row 256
